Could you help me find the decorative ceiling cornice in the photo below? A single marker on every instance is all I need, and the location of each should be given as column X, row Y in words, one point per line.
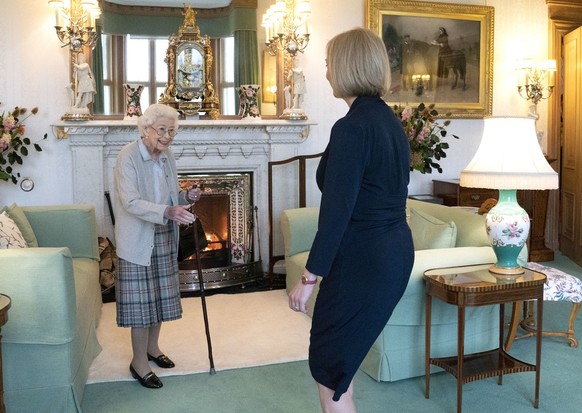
column 107, row 6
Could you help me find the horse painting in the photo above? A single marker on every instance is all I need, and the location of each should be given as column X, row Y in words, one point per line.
column 423, row 58
column 455, row 61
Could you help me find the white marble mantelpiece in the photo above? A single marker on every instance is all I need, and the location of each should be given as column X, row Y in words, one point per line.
column 200, row 146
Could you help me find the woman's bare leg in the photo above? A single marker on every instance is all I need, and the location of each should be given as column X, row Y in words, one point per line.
column 344, row 405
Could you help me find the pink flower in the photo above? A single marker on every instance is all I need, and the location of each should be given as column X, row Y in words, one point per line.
column 8, row 123
column 406, row 113
column 4, row 142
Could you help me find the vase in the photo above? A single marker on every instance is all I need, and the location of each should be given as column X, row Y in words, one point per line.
column 132, row 100
column 249, row 101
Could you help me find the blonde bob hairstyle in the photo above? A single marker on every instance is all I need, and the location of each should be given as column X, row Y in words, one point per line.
column 151, row 115
column 358, row 64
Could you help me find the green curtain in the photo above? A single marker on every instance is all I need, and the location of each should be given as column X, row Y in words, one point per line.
column 246, row 60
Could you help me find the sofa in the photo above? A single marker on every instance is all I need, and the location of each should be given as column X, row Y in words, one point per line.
column 443, row 237
column 49, row 341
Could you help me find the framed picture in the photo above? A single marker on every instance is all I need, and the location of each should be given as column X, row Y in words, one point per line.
column 440, row 53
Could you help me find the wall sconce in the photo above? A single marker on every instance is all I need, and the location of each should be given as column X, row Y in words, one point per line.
column 419, row 83
column 75, row 22
column 286, row 26
column 531, row 78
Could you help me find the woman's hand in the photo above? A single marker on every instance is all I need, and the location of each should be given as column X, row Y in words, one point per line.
column 301, row 292
column 180, row 214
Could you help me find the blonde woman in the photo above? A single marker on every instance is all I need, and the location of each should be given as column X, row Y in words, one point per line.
column 363, row 249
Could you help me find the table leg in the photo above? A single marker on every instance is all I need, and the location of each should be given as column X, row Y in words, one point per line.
column 515, row 318
column 427, row 347
column 540, row 304
column 460, row 356
column 501, row 330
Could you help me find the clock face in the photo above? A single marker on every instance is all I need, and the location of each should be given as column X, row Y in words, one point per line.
column 189, row 72
column 27, row 184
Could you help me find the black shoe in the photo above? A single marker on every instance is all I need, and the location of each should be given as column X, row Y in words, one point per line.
column 150, row 380
column 162, row 361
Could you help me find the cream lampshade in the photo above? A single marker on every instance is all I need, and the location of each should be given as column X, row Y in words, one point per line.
column 509, row 158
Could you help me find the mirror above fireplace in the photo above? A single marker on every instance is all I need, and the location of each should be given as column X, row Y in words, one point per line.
column 135, row 35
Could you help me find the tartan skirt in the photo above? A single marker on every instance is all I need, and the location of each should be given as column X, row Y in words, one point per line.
column 148, row 295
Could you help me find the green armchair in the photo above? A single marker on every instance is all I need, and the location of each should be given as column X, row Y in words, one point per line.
column 49, row 341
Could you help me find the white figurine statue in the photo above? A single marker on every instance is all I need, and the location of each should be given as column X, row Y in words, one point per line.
column 297, row 78
column 297, row 88
column 85, row 83
column 81, row 91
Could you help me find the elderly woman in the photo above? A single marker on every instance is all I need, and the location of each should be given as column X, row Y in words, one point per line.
column 363, row 247
column 148, row 208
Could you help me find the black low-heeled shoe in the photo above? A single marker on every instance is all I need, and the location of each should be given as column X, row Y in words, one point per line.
column 162, row 361
column 150, row 380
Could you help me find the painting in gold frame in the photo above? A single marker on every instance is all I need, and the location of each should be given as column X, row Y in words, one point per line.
column 439, row 53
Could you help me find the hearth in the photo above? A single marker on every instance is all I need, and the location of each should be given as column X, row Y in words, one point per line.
column 225, row 212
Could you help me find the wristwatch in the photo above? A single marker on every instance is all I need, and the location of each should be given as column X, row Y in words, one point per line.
column 307, row 281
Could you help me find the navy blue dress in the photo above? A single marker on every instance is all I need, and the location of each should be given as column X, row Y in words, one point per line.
column 363, row 248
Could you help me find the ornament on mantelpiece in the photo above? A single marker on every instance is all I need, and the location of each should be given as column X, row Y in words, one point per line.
column 132, row 100
column 81, row 90
column 249, row 102
column 294, row 94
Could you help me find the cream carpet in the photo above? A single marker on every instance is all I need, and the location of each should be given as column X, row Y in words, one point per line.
column 250, row 329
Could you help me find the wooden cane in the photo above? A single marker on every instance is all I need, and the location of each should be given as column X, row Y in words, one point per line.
column 203, row 299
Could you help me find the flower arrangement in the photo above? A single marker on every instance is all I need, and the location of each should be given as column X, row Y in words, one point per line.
column 424, row 135
column 13, row 144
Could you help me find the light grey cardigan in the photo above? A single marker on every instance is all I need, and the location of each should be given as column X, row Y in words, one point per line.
column 136, row 212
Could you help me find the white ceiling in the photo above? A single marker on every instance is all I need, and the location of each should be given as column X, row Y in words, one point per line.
column 197, row 4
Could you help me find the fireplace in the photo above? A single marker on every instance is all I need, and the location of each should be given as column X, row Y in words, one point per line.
column 225, row 212
column 204, row 147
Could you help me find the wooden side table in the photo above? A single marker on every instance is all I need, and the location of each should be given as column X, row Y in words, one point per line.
column 4, row 306
column 475, row 286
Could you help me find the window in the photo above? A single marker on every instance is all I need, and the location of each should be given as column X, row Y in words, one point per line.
column 140, row 60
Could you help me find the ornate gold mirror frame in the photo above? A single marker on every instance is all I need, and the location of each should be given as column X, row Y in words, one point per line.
column 189, row 59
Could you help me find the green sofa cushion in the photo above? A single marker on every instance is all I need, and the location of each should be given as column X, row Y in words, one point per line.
column 19, row 217
column 429, row 232
column 470, row 227
column 73, row 226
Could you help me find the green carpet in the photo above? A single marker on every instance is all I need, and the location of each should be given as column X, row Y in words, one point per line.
column 289, row 388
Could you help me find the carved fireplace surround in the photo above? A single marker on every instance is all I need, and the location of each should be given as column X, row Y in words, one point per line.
column 201, row 146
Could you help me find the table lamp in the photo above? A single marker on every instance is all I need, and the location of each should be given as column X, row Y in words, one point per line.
column 509, row 158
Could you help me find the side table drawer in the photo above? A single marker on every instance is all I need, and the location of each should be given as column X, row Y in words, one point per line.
column 475, row 196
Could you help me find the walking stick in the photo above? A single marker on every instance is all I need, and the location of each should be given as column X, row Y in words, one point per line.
column 203, row 296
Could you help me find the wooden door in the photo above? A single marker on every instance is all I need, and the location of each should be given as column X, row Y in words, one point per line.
column 571, row 168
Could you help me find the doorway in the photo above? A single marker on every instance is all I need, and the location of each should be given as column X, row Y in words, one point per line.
column 564, row 210
column 571, row 185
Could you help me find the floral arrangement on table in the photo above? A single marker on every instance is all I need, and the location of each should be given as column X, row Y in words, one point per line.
column 425, row 136
column 13, row 144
